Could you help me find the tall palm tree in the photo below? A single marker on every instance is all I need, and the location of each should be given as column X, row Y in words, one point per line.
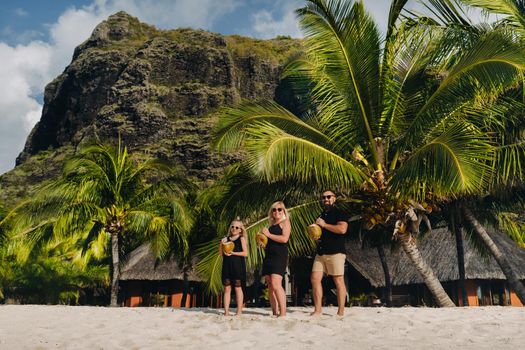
column 394, row 122
column 509, row 150
column 114, row 202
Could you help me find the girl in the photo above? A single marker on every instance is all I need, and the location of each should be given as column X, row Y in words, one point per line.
column 234, row 265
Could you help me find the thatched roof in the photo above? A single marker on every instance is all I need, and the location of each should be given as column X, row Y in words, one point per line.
column 438, row 248
column 366, row 262
column 142, row 265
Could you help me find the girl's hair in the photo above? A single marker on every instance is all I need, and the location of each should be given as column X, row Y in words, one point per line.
column 270, row 216
column 240, row 224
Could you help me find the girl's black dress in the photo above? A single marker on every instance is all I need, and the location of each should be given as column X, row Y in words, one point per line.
column 276, row 254
column 234, row 267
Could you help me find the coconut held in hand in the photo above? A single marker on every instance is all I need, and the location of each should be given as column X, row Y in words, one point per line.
column 314, row 231
column 261, row 240
column 227, row 247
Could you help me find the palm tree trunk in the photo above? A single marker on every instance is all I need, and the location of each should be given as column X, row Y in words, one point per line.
column 115, row 271
column 502, row 261
column 388, row 282
column 431, row 281
column 185, row 288
column 461, row 258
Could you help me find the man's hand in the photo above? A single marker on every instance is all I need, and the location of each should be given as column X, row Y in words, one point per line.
column 320, row 222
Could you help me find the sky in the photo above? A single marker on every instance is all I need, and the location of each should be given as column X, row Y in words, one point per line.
column 37, row 39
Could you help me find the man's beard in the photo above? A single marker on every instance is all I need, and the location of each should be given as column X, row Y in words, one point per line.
column 327, row 207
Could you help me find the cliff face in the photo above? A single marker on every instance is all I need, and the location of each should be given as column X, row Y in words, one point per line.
column 157, row 89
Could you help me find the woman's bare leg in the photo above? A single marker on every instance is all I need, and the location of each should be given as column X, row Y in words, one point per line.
column 271, row 295
column 227, row 298
column 239, row 298
column 280, row 294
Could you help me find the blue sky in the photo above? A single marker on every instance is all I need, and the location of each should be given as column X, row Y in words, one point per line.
column 37, row 39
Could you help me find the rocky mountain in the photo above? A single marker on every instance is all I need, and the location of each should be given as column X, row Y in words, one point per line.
column 158, row 89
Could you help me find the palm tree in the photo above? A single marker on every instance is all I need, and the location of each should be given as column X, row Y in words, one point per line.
column 509, row 144
column 52, row 272
column 109, row 198
column 394, row 123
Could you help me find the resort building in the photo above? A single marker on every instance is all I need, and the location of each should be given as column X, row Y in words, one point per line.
column 484, row 281
column 148, row 282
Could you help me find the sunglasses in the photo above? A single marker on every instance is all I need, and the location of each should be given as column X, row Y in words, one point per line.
column 277, row 209
column 327, row 197
column 235, row 227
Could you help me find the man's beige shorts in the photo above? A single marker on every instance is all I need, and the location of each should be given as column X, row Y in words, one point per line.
column 332, row 265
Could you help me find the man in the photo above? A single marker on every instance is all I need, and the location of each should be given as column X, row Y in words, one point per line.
column 331, row 254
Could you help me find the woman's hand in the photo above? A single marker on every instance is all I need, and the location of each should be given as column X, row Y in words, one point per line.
column 266, row 232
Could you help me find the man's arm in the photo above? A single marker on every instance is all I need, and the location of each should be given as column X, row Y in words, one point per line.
column 339, row 228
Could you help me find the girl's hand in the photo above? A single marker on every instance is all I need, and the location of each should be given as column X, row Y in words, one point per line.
column 265, row 232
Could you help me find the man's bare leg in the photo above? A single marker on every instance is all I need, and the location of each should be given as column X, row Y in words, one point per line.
column 341, row 294
column 317, row 290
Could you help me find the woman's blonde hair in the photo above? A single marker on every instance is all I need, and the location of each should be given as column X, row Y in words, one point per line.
column 241, row 225
column 270, row 216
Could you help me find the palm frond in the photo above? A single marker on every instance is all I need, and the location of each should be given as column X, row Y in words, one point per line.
column 230, row 132
column 454, row 162
column 274, row 155
column 494, row 62
column 344, row 41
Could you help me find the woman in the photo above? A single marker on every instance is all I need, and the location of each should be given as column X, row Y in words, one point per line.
column 234, row 266
column 276, row 256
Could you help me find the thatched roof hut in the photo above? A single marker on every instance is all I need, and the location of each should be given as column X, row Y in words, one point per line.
column 438, row 248
column 143, row 265
column 439, row 251
column 366, row 261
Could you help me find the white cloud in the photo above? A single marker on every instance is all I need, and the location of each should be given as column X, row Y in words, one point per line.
column 266, row 26
column 20, row 12
column 26, row 68
column 23, row 72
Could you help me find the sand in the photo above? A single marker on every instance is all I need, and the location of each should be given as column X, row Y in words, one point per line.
column 67, row 327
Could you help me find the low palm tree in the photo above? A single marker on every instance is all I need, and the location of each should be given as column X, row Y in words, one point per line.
column 53, row 272
column 114, row 202
column 398, row 124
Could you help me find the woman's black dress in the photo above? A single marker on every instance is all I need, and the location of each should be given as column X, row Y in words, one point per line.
column 234, row 267
column 276, row 254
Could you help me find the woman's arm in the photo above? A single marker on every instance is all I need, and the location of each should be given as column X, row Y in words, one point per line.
column 244, row 248
column 286, row 227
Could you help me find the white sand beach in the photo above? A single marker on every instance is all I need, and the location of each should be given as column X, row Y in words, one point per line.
column 66, row 327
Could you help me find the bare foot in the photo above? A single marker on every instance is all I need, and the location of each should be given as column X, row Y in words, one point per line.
column 226, row 314
column 238, row 314
column 316, row 313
